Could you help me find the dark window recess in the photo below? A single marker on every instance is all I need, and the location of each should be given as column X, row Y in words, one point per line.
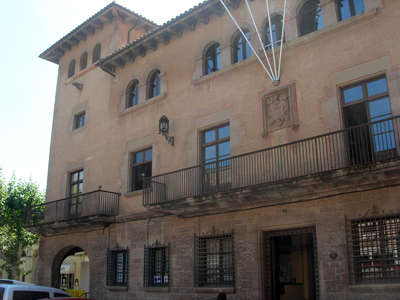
column 75, row 191
column 30, row 295
column 117, row 266
column 96, row 53
column 310, row 17
column 214, row 263
column 212, row 59
column 141, row 168
column 154, row 84
column 241, row 48
column 71, row 68
column 374, row 248
column 79, row 120
column 368, row 102
column 83, row 61
column 132, row 94
column 156, row 265
column 349, row 8
column 275, row 30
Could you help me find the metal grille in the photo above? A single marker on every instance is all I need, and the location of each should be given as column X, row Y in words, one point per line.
column 117, row 266
column 214, row 260
column 156, row 265
column 373, row 247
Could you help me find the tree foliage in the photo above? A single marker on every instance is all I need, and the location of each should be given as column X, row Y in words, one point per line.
column 14, row 195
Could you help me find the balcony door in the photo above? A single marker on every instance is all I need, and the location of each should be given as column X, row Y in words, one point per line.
column 216, row 151
column 75, row 191
column 368, row 102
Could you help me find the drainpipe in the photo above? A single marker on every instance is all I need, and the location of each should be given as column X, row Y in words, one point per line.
column 106, row 70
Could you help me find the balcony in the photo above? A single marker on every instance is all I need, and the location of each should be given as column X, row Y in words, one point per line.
column 339, row 161
column 86, row 211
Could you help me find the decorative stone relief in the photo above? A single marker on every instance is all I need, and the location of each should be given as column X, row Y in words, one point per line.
column 279, row 109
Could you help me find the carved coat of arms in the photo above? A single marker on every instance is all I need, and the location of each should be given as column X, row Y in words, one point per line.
column 278, row 111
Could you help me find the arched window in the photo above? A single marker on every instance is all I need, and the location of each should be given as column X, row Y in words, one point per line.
column 132, row 93
column 212, row 59
column 71, row 68
column 310, row 17
column 83, row 61
column 349, row 8
column 276, row 30
column 154, row 84
column 241, row 48
column 96, row 53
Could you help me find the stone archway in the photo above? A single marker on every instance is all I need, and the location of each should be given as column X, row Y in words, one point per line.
column 57, row 261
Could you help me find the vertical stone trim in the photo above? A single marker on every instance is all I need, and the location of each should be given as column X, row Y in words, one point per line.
column 279, row 109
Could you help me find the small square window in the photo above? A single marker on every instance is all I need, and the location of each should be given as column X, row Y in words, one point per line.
column 79, row 120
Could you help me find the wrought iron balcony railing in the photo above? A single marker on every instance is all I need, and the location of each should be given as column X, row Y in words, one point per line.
column 96, row 203
column 328, row 152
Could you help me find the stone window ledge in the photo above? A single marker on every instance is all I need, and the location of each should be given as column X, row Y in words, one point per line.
column 142, row 105
column 116, row 288
column 156, row 289
column 375, row 288
column 215, row 291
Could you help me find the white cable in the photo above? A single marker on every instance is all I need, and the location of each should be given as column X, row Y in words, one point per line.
column 272, row 38
column 244, row 36
column 282, row 39
column 259, row 37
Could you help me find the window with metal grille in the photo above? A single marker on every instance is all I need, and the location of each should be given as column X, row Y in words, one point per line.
column 117, row 266
column 373, row 247
column 214, row 260
column 156, row 265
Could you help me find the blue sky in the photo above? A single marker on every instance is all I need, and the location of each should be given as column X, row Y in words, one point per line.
column 27, row 83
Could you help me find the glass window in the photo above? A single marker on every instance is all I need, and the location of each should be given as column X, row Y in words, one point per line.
column 141, row 168
column 310, row 17
column 117, row 266
column 96, row 53
column 79, row 120
column 212, row 59
column 349, row 8
column 71, row 68
column 156, row 265
column 75, row 190
column 31, row 295
column 132, row 94
column 241, row 48
column 276, row 30
column 154, row 84
column 83, row 61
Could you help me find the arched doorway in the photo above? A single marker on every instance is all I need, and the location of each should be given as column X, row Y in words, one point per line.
column 71, row 270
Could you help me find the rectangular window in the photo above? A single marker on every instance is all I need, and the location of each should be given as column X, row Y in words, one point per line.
column 140, row 168
column 368, row 102
column 75, row 191
column 79, row 120
column 214, row 260
column 156, row 265
column 118, row 266
column 373, row 247
column 216, row 149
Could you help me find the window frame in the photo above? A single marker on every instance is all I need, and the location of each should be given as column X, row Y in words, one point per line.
column 378, row 234
column 117, row 271
column 278, row 29
column 303, row 18
column 83, row 61
column 245, row 47
column 79, row 120
column 153, row 265
column 213, row 54
column 134, row 165
column 71, row 68
column 352, row 9
column 203, row 258
column 96, row 53
column 75, row 200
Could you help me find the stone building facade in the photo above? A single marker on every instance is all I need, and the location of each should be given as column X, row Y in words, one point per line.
column 269, row 189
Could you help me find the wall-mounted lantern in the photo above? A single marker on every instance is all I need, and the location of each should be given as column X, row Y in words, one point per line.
column 164, row 129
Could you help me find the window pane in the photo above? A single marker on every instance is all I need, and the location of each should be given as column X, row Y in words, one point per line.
column 209, row 136
column 223, row 132
column 74, row 177
column 224, row 150
column 377, row 87
column 80, row 175
column 218, row 59
column 344, row 7
column 148, row 154
column 248, row 49
column 138, row 157
column 240, row 50
column 379, row 108
column 359, row 6
column 353, row 94
column 210, row 153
